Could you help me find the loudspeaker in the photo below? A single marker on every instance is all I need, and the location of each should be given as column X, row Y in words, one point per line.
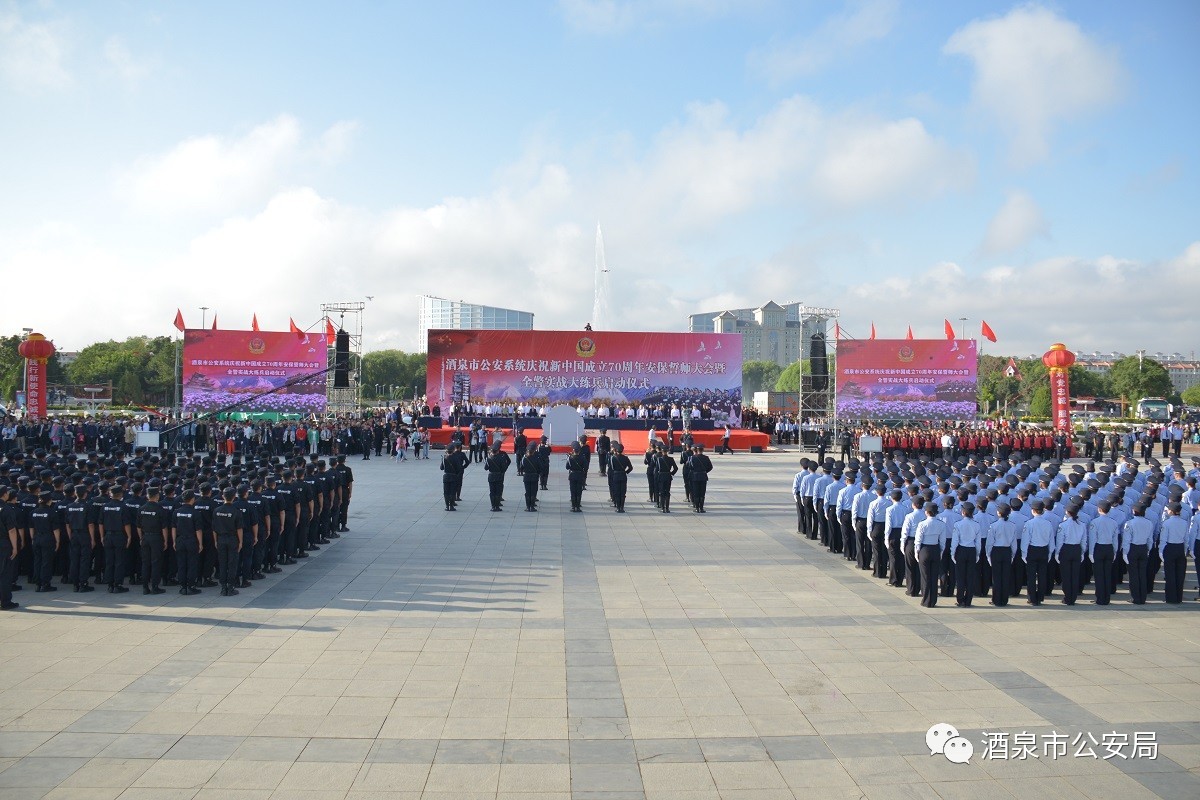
column 341, row 361
column 818, row 362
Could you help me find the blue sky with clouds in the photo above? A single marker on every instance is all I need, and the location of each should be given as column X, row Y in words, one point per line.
column 1032, row 165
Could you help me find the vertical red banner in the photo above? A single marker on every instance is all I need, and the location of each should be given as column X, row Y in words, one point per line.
column 1060, row 399
column 35, row 388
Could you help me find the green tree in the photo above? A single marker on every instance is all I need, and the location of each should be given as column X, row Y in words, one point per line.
column 141, row 368
column 1134, row 379
column 1039, row 401
column 393, row 368
column 789, row 380
column 759, row 376
column 1191, row 396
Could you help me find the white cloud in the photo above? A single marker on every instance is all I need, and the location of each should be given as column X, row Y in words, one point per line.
column 861, row 22
column 1033, row 305
column 1017, row 222
column 213, row 174
column 32, row 54
column 1034, row 70
column 131, row 70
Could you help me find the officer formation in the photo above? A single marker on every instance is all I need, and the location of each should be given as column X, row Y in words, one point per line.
column 980, row 525
column 188, row 520
column 532, row 461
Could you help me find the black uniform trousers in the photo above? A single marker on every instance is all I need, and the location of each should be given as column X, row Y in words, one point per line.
column 700, row 490
column 1174, row 571
column 80, row 558
column 227, row 558
column 1138, row 561
column 531, row 490
column 1001, row 558
column 930, row 559
column 912, row 568
column 1102, row 572
column 965, row 574
column 1037, row 573
column 895, row 574
column 664, row 491
column 575, row 480
column 879, row 542
column 43, row 559
column 152, row 559
column 187, row 563
column 495, row 490
column 114, row 558
column 1070, row 562
column 7, row 565
column 619, row 485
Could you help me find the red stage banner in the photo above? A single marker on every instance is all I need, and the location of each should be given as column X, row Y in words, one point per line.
column 221, row 368
column 903, row 379
column 549, row 367
column 35, row 388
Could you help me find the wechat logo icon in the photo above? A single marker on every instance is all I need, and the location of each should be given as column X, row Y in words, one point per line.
column 943, row 739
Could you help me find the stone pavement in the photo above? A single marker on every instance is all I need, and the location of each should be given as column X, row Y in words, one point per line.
column 594, row 656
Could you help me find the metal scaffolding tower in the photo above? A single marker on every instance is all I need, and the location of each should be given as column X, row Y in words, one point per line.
column 345, row 401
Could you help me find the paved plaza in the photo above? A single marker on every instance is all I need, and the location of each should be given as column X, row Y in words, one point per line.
column 596, row 656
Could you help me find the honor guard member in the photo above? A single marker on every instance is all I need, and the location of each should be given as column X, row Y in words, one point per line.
column 80, row 540
column 877, row 522
column 543, row 451
column 665, row 472
column 585, row 450
column 449, row 467
column 153, row 524
column 927, row 541
column 701, row 466
column 46, row 526
column 1037, row 537
column 576, row 473
column 964, row 548
column 530, row 474
column 9, row 542
column 1102, row 547
column 463, row 463
column 603, row 451
column 227, row 526
column 685, row 470
column 118, row 533
column 495, row 466
column 1000, row 550
column 823, row 442
column 1137, row 537
column 520, row 445
column 347, row 486
column 619, row 468
column 188, row 544
column 650, row 459
column 1175, row 542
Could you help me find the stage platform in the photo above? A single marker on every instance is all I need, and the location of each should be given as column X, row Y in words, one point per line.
column 590, row 423
column 635, row 441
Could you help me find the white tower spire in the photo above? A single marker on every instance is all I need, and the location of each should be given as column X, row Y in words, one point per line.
column 600, row 313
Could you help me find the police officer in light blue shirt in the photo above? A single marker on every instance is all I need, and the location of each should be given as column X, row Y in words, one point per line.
column 1103, row 533
column 1174, row 544
column 1037, row 535
column 1000, row 551
column 928, row 539
column 862, row 542
column 964, row 549
column 893, row 523
column 845, row 502
column 877, row 525
column 908, row 533
column 1137, row 537
column 1070, row 542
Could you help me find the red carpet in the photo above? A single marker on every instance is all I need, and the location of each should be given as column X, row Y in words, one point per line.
column 635, row 441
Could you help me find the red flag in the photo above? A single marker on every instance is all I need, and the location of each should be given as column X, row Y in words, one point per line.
column 872, row 330
column 837, row 331
column 330, row 333
column 949, row 330
column 179, row 326
column 987, row 332
column 254, row 323
column 214, row 327
column 909, row 336
column 293, row 327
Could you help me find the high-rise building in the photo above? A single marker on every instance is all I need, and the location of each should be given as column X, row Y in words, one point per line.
column 438, row 312
column 772, row 332
column 1184, row 370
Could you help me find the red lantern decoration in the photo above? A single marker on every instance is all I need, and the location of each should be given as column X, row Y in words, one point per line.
column 36, row 350
column 1058, row 360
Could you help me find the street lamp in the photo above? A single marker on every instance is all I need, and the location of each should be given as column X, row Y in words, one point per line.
column 963, row 320
column 1141, row 354
column 25, row 370
column 203, row 315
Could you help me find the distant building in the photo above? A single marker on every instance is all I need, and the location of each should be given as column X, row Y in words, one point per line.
column 1184, row 370
column 772, row 332
column 438, row 312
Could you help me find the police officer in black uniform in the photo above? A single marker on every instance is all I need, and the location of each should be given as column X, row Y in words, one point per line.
column 227, row 527
column 495, row 466
column 576, row 474
column 117, row 523
column 9, row 543
column 530, row 470
column 250, row 529
column 81, row 539
column 701, row 465
column 618, row 476
column 46, row 525
column 603, row 451
column 543, row 451
column 665, row 471
column 450, row 468
column 188, row 544
column 346, row 485
column 520, row 445
column 153, row 523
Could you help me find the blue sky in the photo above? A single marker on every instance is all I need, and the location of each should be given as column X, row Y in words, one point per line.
column 1032, row 165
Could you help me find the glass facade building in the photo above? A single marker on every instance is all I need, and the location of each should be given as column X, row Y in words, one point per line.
column 438, row 312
